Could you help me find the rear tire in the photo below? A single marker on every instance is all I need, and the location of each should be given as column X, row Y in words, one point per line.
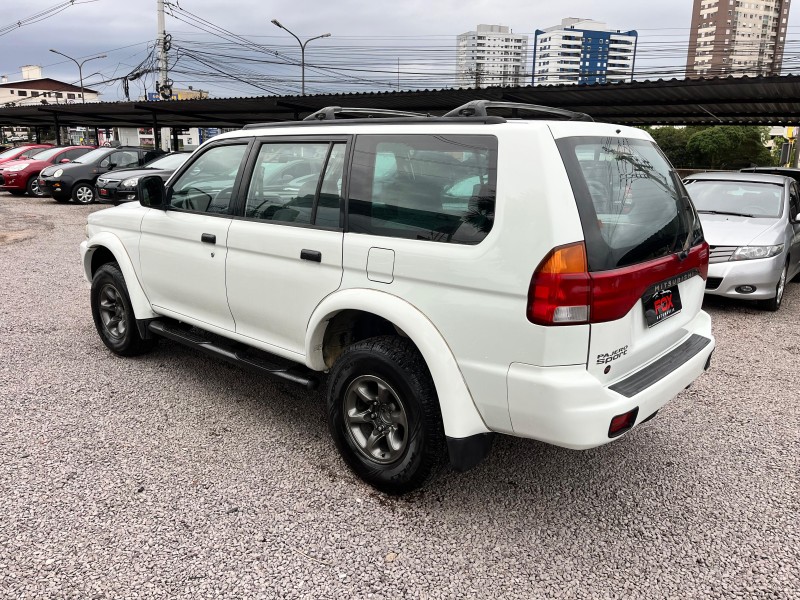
column 83, row 193
column 773, row 304
column 113, row 314
column 384, row 415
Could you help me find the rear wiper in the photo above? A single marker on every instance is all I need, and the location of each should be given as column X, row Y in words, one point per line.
column 722, row 212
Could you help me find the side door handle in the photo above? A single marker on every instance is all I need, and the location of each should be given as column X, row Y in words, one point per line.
column 312, row 255
column 208, row 238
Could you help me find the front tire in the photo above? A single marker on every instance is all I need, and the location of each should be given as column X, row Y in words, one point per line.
column 384, row 415
column 113, row 314
column 773, row 304
column 33, row 187
column 83, row 193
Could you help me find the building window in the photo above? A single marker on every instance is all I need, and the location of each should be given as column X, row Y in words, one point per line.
column 70, row 96
column 22, row 93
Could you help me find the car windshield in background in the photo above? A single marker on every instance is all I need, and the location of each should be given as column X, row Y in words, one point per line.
column 737, row 197
column 9, row 153
column 93, row 155
column 630, row 202
column 48, row 153
column 170, row 162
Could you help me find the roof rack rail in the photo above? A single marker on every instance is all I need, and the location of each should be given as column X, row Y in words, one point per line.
column 330, row 113
column 478, row 108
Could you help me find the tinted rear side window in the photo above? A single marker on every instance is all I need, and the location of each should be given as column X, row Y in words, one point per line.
column 427, row 187
column 632, row 206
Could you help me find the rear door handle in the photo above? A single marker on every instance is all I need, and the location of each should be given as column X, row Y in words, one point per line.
column 208, row 238
column 312, row 255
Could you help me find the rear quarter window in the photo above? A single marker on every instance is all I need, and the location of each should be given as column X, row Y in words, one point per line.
column 437, row 188
column 632, row 205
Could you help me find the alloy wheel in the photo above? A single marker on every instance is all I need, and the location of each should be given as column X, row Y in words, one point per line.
column 112, row 312
column 781, row 284
column 375, row 419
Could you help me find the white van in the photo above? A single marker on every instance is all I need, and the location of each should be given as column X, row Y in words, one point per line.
column 454, row 277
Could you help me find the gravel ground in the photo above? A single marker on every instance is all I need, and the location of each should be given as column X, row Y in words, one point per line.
column 174, row 476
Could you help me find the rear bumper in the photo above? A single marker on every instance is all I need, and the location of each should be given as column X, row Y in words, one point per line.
column 762, row 273
column 567, row 406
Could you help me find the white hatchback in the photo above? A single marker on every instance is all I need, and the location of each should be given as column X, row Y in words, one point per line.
column 454, row 276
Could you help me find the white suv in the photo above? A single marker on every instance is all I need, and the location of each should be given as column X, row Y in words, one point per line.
column 454, row 276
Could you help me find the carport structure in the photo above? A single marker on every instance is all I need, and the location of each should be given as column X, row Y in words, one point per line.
column 723, row 101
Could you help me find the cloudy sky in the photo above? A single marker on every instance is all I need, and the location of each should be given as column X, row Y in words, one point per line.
column 370, row 44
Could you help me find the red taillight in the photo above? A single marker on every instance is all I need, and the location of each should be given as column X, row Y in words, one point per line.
column 563, row 292
column 560, row 291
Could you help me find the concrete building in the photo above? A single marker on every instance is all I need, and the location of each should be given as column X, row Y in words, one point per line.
column 731, row 37
column 35, row 89
column 492, row 55
column 583, row 51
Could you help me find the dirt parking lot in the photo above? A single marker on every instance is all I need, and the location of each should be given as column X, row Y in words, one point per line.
column 174, row 476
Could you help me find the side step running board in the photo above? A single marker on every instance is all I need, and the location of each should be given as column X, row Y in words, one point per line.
column 294, row 373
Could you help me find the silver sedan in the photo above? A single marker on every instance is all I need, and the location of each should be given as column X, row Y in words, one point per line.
column 752, row 223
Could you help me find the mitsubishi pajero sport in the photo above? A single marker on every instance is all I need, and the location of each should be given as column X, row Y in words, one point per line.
column 454, row 277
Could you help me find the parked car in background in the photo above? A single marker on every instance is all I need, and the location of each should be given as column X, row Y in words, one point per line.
column 76, row 180
column 22, row 152
column 22, row 176
column 750, row 220
column 785, row 171
column 120, row 185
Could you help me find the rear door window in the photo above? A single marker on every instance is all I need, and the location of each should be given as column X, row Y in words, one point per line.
column 632, row 205
column 427, row 187
column 288, row 185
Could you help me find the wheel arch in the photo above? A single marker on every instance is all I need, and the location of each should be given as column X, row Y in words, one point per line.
column 106, row 247
column 459, row 414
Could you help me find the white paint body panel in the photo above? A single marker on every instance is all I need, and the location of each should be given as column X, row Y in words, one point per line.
column 271, row 291
column 182, row 274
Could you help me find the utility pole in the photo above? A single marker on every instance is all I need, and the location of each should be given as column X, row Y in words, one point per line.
column 163, row 44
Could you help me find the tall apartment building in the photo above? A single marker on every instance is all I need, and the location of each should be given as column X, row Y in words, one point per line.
column 583, row 51
column 731, row 37
column 492, row 55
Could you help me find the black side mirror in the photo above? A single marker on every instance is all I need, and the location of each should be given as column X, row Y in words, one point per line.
column 151, row 192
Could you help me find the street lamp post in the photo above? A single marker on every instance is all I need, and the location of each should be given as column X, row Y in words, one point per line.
column 302, row 53
column 80, row 68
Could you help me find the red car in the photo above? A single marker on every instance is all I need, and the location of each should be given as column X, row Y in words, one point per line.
column 25, row 151
column 21, row 176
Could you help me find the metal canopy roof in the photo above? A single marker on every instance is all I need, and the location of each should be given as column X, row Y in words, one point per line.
column 730, row 101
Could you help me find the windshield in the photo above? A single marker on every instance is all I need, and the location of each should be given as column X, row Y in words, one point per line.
column 744, row 198
column 632, row 205
column 170, row 162
column 11, row 152
column 93, row 155
column 48, row 153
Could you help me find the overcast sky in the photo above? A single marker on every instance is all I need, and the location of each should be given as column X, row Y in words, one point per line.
column 108, row 26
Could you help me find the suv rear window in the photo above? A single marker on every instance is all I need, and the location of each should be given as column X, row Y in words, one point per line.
column 633, row 207
column 426, row 187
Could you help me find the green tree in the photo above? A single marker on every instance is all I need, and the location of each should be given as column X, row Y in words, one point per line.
column 672, row 141
column 729, row 147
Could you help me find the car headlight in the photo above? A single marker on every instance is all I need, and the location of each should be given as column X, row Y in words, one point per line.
column 58, row 173
column 15, row 168
column 750, row 252
column 130, row 182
